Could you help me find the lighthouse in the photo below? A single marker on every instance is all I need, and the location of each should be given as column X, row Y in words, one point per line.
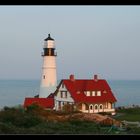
column 48, row 78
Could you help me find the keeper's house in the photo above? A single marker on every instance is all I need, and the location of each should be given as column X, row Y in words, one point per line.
column 87, row 95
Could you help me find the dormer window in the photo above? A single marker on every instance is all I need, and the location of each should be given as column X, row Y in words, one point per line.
column 93, row 93
column 88, row 93
column 98, row 93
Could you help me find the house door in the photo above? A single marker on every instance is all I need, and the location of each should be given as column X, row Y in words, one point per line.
column 59, row 105
column 91, row 109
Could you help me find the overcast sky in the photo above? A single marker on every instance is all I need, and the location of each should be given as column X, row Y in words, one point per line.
column 103, row 40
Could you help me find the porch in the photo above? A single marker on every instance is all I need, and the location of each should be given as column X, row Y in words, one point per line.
column 96, row 108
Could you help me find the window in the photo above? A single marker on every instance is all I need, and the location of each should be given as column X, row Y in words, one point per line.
column 61, row 94
column 98, row 93
column 88, row 93
column 66, row 94
column 96, row 106
column 91, row 107
column 62, row 85
column 43, row 76
column 93, row 93
column 59, row 104
column 101, row 106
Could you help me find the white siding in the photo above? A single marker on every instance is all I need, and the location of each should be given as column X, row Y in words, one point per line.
column 58, row 98
column 68, row 99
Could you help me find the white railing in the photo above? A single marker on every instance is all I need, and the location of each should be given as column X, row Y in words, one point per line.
column 109, row 110
column 97, row 111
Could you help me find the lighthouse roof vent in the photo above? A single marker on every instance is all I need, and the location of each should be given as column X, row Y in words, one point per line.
column 48, row 38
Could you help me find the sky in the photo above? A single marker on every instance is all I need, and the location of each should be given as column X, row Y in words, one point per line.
column 103, row 40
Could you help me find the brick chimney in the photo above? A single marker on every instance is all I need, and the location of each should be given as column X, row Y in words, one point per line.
column 72, row 78
column 95, row 77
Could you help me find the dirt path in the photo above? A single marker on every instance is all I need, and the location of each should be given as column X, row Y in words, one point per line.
column 98, row 118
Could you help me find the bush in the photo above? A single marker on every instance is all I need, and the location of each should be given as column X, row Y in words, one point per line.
column 68, row 108
column 6, row 128
column 28, row 121
column 33, row 107
column 18, row 118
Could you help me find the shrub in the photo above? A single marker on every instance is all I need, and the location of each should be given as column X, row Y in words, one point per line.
column 18, row 118
column 6, row 128
column 33, row 107
column 68, row 108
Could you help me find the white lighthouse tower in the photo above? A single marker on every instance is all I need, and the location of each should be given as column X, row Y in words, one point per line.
column 48, row 79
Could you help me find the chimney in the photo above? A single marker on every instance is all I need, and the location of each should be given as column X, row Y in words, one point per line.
column 72, row 78
column 95, row 77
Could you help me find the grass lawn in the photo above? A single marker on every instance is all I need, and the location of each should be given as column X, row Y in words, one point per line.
column 130, row 114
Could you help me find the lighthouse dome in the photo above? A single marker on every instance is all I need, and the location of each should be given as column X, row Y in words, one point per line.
column 48, row 38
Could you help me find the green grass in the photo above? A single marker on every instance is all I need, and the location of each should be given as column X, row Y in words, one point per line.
column 129, row 117
column 130, row 114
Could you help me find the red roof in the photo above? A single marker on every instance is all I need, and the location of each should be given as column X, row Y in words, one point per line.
column 89, row 85
column 44, row 102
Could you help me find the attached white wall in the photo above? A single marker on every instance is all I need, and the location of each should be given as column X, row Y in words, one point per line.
column 109, row 105
column 63, row 100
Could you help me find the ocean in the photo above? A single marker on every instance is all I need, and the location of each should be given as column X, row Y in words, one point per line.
column 13, row 92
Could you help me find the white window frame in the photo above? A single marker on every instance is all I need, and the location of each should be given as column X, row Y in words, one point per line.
column 64, row 94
